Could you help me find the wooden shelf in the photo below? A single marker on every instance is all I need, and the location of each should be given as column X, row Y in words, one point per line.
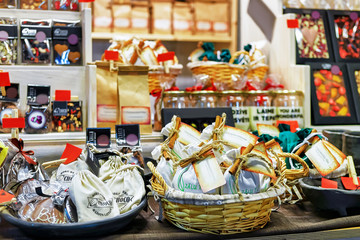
column 164, row 37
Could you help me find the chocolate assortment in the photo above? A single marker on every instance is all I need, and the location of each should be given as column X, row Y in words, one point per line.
column 331, row 93
column 8, row 40
column 34, row 4
column 9, row 100
column 347, row 33
column 8, row 4
column 311, row 36
column 38, row 116
column 66, row 43
column 35, row 41
column 66, row 116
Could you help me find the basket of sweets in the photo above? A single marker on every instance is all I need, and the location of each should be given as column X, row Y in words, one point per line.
column 247, row 181
column 76, row 200
column 222, row 66
column 163, row 65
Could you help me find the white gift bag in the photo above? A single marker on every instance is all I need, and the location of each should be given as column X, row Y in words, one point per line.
column 127, row 187
column 108, row 169
column 92, row 198
column 165, row 168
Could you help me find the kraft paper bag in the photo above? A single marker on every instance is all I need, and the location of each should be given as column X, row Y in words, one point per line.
column 101, row 16
column 161, row 17
column 106, row 96
column 134, row 98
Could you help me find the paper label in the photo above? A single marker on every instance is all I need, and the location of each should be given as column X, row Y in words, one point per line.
column 209, row 174
column 241, row 117
column 291, row 113
column 122, row 22
column 5, row 196
column 188, row 135
column 327, row 183
column 4, row 79
column 265, row 115
column 71, row 153
column 181, row 25
column 220, row 26
column 322, row 158
column 139, row 23
column 103, row 21
column 339, row 155
column 203, row 25
column 238, row 138
column 106, row 113
column 162, row 24
column 62, row 95
column 268, row 129
column 127, row 135
column 100, row 137
column 135, row 115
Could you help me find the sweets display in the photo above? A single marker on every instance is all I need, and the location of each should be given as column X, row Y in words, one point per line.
column 311, row 36
column 9, row 100
column 347, row 35
column 34, row 4
column 8, row 40
column 331, row 93
column 65, row 5
column 35, row 41
column 66, row 116
column 66, row 43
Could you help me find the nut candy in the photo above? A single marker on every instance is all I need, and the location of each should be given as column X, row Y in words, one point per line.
column 66, row 116
column 34, row 4
column 8, row 40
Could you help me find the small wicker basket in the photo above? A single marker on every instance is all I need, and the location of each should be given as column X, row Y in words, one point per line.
column 157, row 76
column 217, row 214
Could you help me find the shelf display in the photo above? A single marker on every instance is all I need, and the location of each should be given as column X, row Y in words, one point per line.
column 9, row 40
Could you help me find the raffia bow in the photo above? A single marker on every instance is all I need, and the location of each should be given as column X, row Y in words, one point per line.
column 200, row 155
column 19, row 143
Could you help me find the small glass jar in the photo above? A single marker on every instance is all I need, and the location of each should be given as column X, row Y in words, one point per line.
column 261, row 109
column 289, row 106
column 176, row 99
column 237, row 101
column 204, row 99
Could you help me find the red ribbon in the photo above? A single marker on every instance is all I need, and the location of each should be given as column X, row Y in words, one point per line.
column 19, row 143
column 157, row 92
column 270, row 84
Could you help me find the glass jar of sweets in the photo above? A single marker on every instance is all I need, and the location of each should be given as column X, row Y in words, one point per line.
column 237, row 101
column 261, row 109
column 289, row 106
column 176, row 99
column 204, row 99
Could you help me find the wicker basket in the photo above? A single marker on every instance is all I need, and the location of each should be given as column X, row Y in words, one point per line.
column 157, row 76
column 217, row 214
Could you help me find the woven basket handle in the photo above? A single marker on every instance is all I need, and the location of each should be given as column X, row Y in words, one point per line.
column 293, row 174
column 159, row 184
column 237, row 54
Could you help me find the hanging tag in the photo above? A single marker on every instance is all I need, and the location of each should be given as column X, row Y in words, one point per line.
column 63, row 95
column 127, row 135
column 100, row 137
column 162, row 57
column 292, row 23
column 327, row 183
column 349, row 183
column 188, row 135
column 111, row 55
column 322, row 158
column 5, row 196
column 268, row 129
column 238, row 138
column 13, row 122
column 209, row 174
column 339, row 155
column 4, row 79
column 71, row 153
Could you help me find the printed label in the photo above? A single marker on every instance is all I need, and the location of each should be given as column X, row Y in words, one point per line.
column 106, row 113
column 220, row 26
column 264, row 115
column 290, row 113
column 188, row 135
column 122, row 22
column 238, row 138
column 181, row 25
column 60, row 108
column 203, row 25
column 36, row 120
column 241, row 117
column 65, row 176
column 122, row 198
column 139, row 23
column 6, row 113
column 135, row 115
column 162, row 24
column 99, row 205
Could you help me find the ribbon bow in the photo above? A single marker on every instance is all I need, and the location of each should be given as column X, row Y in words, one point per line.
column 19, row 143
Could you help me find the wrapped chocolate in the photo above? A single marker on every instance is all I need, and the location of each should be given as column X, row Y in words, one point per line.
column 38, row 115
column 66, row 116
column 65, row 5
column 35, row 41
column 67, row 42
column 92, row 198
column 9, row 40
column 9, row 100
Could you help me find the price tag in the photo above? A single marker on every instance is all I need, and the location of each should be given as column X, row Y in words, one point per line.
column 13, row 122
column 292, row 23
column 5, row 196
column 166, row 56
column 4, row 79
column 326, row 183
column 111, row 55
column 349, row 183
column 71, row 152
column 62, row 95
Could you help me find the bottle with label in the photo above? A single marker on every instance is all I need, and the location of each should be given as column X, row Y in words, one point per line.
column 204, row 99
column 261, row 109
column 237, row 101
column 289, row 106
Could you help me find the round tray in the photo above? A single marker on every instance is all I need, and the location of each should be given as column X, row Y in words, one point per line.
column 330, row 199
column 91, row 228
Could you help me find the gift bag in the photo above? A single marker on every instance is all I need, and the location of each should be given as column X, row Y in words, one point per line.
column 110, row 167
column 92, row 198
column 164, row 166
column 161, row 17
column 127, row 187
column 101, row 16
column 134, row 99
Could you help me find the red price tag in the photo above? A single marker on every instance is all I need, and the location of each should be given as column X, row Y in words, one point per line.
column 86, row 0
column 62, row 95
column 166, row 56
column 326, row 183
column 348, row 183
column 111, row 55
column 293, row 23
column 293, row 124
column 5, row 196
column 13, row 122
column 4, row 79
column 71, row 152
